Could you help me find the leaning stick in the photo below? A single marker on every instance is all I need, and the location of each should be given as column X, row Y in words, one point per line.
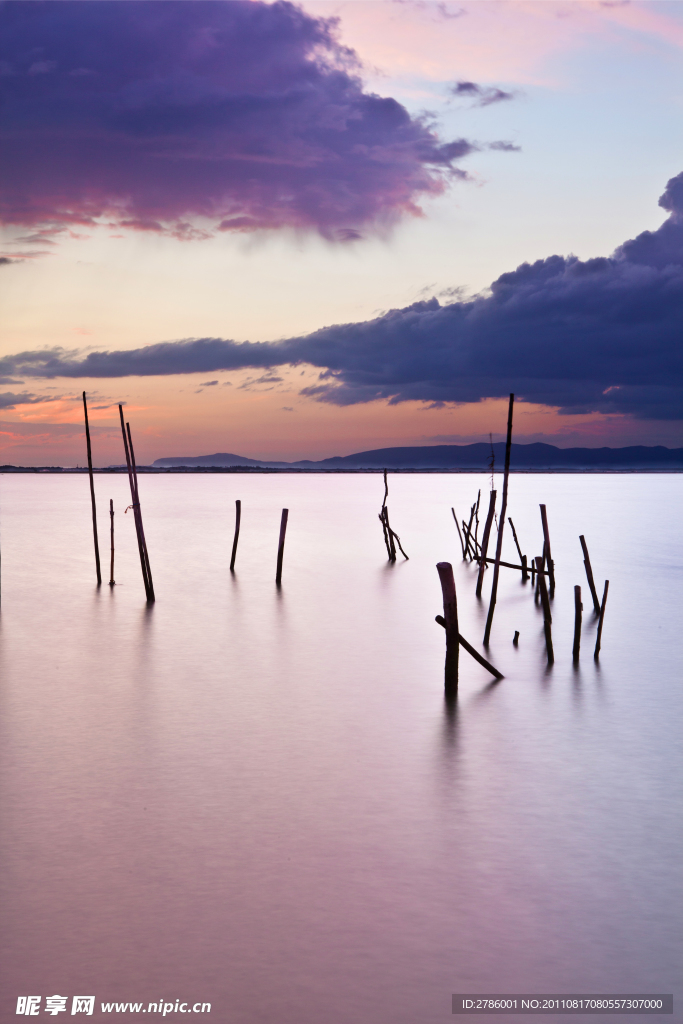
column 485, row 542
column 138, row 509
column 281, row 545
column 476, row 517
column 589, row 575
column 470, row 650
column 387, row 540
column 462, row 543
column 598, row 639
column 578, row 608
column 510, row 565
column 112, row 581
column 501, row 526
column 390, row 534
column 450, row 614
column 92, row 493
column 522, row 558
column 546, row 550
column 238, row 516
column 547, row 617
column 468, row 532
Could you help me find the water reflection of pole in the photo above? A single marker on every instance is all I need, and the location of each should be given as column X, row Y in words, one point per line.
column 92, row 493
column 501, row 526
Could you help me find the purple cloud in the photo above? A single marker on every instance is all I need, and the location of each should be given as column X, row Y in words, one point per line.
column 244, row 115
column 582, row 335
column 483, row 95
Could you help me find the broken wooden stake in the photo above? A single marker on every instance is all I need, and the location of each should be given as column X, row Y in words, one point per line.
column 92, row 494
column 450, row 613
column 485, row 542
column 515, row 638
column 238, row 517
column 598, row 639
column 589, row 574
column 281, row 545
column 578, row 608
column 501, row 525
column 132, row 480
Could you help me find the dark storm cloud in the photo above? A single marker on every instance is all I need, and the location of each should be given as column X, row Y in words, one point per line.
column 154, row 113
column 581, row 335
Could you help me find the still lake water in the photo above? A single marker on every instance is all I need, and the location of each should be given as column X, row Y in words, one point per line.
column 259, row 799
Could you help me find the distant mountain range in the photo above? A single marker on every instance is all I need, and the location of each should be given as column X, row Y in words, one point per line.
column 523, row 457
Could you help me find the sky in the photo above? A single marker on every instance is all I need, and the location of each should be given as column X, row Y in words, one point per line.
column 295, row 231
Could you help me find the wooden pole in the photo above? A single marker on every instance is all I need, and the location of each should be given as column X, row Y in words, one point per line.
column 450, row 612
column 139, row 513
column 281, row 545
column 598, row 639
column 92, row 494
column 476, row 518
column 468, row 532
column 238, row 517
column 382, row 520
column 112, row 581
column 578, row 608
column 546, row 550
column 485, row 541
column 501, row 526
column 547, row 617
column 462, row 543
column 522, row 558
column 589, row 574
column 390, row 534
column 471, row 650
column 135, row 504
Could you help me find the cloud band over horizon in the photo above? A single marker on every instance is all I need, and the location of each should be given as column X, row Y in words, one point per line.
column 599, row 335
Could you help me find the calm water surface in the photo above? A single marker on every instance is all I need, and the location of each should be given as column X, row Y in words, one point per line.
column 259, row 799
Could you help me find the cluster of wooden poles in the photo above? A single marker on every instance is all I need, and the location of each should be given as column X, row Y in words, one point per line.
column 137, row 515
column 541, row 566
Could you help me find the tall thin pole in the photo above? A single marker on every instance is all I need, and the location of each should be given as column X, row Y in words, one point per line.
column 238, row 517
column 136, row 509
column 547, row 617
column 112, row 581
column 546, row 550
column 589, row 574
column 485, row 541
column 578, row 608
column 151, row 596
column 92, row 493
column 501, row 526
column 598, row 640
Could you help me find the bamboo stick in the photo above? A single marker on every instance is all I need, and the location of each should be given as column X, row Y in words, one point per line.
column 238, row 517
column 547, row 617
column 462, row 543
column 138, row 509
column 589, row 574
column 471, row 650
column 578, row 608
column 522, row 558
column 468, row 533
column 450, row 612
column 598, row 639
column 112, row 581
column 501, row 525
column 546, row 550
column 485, row 542
column 281, row 545
column 135, row 506
column 92, row 494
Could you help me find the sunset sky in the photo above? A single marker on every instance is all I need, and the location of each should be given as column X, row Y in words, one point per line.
column 296, row 231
